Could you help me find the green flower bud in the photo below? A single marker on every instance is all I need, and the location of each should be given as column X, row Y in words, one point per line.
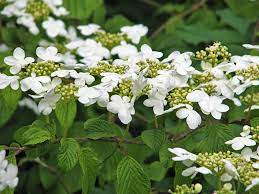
column 38, row 9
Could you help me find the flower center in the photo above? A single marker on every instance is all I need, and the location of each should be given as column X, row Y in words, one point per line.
column 44, row 68
column 66, row 90
column 38, row 9
column 110, row 40
column 251, row 72
column 178, row 96
column 104, row 66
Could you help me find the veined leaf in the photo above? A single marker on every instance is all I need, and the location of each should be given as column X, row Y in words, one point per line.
column 131, row 178
column 153, row 138
column 98, row 128
column 31, row 135
column 68, row 153
column 89, row 164
column 9, row 100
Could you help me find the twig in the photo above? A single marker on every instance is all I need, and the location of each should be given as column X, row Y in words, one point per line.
column 152, row 3
column 193, row 8
column 256, row 29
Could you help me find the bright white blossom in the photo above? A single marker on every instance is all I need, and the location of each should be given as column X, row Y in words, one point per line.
column 48, row 54
column 135, row 32
column 193, row 119
column 54, row 27
column 121, row 106
column 18, row 60
column 9, row 81
column 193, row 171
column 89, row 29
column 124, row 50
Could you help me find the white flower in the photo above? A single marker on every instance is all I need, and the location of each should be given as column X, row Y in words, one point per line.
column 254, row 183
column 249, row 46
column 230, row 169
column 124, row 51
column 55, row 6
column 208, row 104
column 69, row 60
column 27, row 20
column 157, row 101
column 89, row 29
column 9, row 80
column 239, row 142
column 54, row 27
column 122, row 107
column 34, row 83
column 193, row 119
column 63, row 73
column 83, row 78
column 88, row 95
column 48, row 54
column 247, row 153
column 135, row 32
column 147, row 53
column 18, row 60
column 48, row 103
column 181, row 62
column 182, row 155
column 193, row 171
column 8, row 173
column 29, row 103
column 91, row 48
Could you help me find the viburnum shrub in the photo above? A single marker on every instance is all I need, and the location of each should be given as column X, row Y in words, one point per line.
column 111, row 115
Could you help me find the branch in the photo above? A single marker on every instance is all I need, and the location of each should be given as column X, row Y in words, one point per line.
column 193, row 8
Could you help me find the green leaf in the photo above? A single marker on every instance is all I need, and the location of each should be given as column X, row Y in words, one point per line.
column 255, row 122
column 230, row 18
column 131, row 178
column 68, row 153
column 97, row 128
column 153, row 138
column 116, row 22
column 9, row 100
column 165, row 156
column 81, row 9
column 31, row 135
column 245, row 8
column 156, row 171
column 213, row 138
column 89, row 164
column 66, row 113
column 179, row 179
column 47, row 179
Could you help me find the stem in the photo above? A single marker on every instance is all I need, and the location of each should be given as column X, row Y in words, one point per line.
column 128, row 127
column 156, row 122
column 193, row 8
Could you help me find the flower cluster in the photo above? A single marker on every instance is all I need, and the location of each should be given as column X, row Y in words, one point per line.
column 29, row 12
column 108, row 69
column 228, row 166
column 8, row 173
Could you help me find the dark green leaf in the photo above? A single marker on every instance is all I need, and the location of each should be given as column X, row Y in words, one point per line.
column 153, row 138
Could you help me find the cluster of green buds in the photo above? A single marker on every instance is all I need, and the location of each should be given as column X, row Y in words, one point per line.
column 124, row 88
column 210, row 88
column 251, row 72
column 214, row 160
column 202, row 78
column 110, row 40
column 44, row 68
column 250, row 99
column 255, row 133
column 184, row 189
column 146, row 90
column 66, row 90
column 226, row 189
column 153, row 67
column 247, row 173
column 178, row 96
column 214, row 54
column 104, row 66
column 38, row 9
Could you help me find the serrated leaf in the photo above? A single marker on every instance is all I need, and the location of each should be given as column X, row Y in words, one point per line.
column 89, row 164
column 68, row 153
column 31, row 135
column 9, row 100
column 215, row 136
column 131, row 178
column 153, row 138
column 97, row 128
column 81, row 9
column 179, row 179
column 66, row 113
